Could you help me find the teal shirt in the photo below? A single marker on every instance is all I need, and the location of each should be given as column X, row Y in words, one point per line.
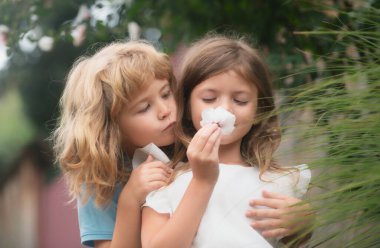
column 97, row 223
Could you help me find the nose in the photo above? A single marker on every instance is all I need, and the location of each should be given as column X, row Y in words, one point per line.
column 226, row 104
column 163, row 110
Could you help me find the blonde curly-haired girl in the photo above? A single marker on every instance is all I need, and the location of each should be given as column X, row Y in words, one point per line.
column 115, row 101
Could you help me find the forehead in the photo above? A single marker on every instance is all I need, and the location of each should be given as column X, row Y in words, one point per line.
column 226, row 81
column 153, row 87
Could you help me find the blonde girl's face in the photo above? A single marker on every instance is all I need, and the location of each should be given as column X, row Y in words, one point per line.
column 149, row 117
column 231, row 92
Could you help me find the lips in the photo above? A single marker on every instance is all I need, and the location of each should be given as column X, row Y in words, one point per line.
column 171, row 125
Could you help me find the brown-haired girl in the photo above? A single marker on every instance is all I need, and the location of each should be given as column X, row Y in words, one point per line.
column 115, row 101
column 207, row 205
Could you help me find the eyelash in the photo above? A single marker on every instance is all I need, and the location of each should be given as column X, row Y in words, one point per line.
column 208, row 100
column 144, row 109
column 167, row 94
column 238, row 102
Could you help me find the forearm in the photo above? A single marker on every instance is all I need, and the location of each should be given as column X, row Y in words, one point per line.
column 180, row 229
column 127, row 232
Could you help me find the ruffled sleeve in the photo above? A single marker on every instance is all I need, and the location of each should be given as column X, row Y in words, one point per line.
column 304, row 178
column 159, row 201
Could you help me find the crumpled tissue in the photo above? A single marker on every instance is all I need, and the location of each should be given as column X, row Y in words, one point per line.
column 220, row 116
column 141, row 154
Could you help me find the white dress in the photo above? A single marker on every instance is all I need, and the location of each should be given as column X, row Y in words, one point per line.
column 224, row 223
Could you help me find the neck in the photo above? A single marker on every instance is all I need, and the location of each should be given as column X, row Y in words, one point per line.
column 230, row 154
column 129, row 150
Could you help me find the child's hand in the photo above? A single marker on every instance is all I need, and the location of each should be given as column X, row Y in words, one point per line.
column 203, row 153
column 150, row 175
column 280, row 218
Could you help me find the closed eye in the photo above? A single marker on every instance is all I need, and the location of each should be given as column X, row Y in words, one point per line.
column 167, row 94
column 240, row 102
column 208, row 100
column 144, row 109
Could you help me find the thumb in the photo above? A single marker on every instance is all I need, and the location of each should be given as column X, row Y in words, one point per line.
column 149, row 159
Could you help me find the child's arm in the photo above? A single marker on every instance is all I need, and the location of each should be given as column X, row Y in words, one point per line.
column 158, row 230
column 149, row 176
column 281, row 218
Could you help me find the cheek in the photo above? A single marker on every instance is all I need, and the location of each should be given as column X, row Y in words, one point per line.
column 195, row 112
column 196, row 119
column 174, row 106
column 135, row 131
column 247, row 115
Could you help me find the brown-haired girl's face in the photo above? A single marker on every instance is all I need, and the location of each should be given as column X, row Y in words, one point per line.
column 231, row 92
column 149, row 117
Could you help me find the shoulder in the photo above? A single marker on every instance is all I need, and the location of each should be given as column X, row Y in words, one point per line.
column 294, row 180
column 89, row 211
column 166, row 199
column 96, row 223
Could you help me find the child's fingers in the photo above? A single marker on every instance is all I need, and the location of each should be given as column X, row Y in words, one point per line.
column 273, row 195
column 156, row 171
column 158, row 164
column 267, row 224
column 154, row 185
column 212, row 142
column 275, row 233
column 165, row 168
column 158, row 177
column 202, row 136
column 217, row 144
column 149, row 159
column 262, row 213
column 271, row 203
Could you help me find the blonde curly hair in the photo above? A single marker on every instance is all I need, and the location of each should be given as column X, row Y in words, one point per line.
column 87, row 141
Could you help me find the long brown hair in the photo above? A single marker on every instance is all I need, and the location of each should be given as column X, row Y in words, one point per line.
column 87, row 141
column 216, row 54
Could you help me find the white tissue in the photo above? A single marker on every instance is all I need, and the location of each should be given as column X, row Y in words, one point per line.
column 220, row 116
column 141, row 154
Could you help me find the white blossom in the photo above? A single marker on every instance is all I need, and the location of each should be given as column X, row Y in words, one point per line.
column 28, row 41
column 34, row 18
column 134, row 30
column 4, row 58
column 220, row 116
column 79, row 34
column 46, row 43
column 106, row 12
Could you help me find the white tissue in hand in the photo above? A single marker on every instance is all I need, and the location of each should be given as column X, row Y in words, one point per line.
column 220, row 116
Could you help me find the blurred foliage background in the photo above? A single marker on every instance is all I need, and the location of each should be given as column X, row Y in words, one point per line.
column 316, row 50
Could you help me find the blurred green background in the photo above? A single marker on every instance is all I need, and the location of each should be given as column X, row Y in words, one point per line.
column 304, row 42
column 32, row 80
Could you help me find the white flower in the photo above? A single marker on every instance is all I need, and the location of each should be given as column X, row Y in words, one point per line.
column 28, row 40
column 4, row 58
column 134, row 30
column 220, row 116
column 79, row 34
column 46, row 43
column 106, row 12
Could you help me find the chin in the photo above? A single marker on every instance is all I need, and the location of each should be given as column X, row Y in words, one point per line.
column 225, row 140
column 165, row 141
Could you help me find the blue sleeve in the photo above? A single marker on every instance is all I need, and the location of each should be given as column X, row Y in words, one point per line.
column 96, row 223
